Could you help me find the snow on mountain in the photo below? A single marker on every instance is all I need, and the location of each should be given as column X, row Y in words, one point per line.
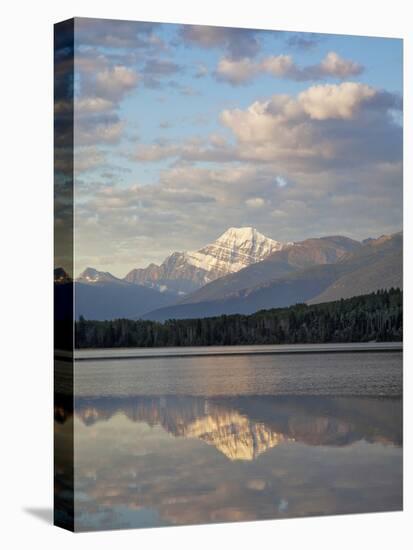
column 233, row 250
column 184, row 272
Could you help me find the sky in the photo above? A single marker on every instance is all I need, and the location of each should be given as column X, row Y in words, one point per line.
column 183, row 131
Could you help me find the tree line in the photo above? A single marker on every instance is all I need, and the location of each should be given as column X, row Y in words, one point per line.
column 372, row 317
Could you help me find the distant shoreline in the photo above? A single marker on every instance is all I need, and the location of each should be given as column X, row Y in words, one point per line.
column 102, row 354
column 375, row 317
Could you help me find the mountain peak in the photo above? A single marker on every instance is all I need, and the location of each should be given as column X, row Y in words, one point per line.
column 236, row 248
column 246, row 230
column 92, row 275
column 240, row 235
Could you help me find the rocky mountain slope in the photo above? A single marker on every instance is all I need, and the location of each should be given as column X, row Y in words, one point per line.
column 379, row 264
column 184, row 272
column 289, row 259
column 93, row 276
column 375, row 265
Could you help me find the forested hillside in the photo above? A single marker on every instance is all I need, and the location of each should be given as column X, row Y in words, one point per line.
column 377, row 316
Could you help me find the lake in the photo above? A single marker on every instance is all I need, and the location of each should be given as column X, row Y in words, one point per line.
column 184, row 440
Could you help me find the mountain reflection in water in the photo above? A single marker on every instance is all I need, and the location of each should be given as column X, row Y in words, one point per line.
column 242, row 428
column 174, row 460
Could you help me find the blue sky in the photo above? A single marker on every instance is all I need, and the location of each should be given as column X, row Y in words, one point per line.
column 182, row 131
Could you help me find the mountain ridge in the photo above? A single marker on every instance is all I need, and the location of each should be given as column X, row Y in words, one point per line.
column 184, row 272
column 374, row 266
column 291, row 258
column 275, row 274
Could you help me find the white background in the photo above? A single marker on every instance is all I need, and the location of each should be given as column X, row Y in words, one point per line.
column 26, row 204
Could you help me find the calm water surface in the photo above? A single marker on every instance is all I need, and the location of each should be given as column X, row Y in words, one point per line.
column 196, row 440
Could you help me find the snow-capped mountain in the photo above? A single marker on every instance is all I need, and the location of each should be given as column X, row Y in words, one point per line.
column 184, row 272
column 232, row 251
column 313, row 271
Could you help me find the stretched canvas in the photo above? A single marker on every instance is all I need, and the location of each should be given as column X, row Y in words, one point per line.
column 228, row 274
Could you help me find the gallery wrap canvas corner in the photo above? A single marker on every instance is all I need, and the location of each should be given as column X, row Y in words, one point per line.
column 228, row 281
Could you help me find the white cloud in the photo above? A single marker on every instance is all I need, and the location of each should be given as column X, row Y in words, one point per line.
column 279, row 65
column 100, row 85
column 93, row 105
column 324, row 126
column 115, row 82
column 215, row 149
column 154, row 152
column 241, row 71
column 236, row 71
column 334, row 65
column 335, row 101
